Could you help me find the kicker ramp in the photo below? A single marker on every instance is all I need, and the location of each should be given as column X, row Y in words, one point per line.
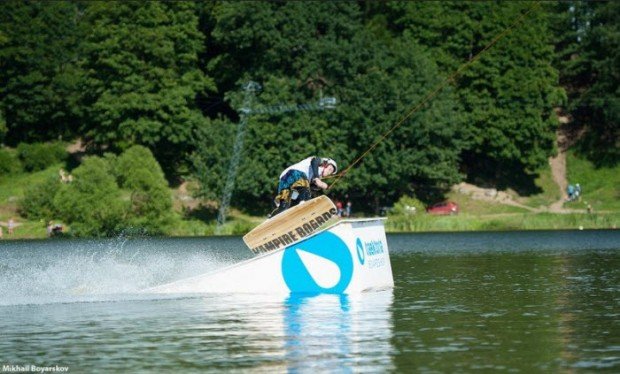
column 348, row 257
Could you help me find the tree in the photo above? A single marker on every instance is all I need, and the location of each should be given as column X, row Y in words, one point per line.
column 506, row 97
column 150, row 200
column 301, row 52
column 38, row 201
column 40, row 156
column 598, row 105
column 570, row 23
column 9, row 162
column 421, row 155
column 91, row 205
column 39, row 76
column 142, row 78
column 211, row 157
column 3, row 128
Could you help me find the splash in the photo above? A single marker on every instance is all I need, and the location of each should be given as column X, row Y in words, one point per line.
column 72, row 271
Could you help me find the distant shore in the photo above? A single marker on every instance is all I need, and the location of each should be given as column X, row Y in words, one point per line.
column 405, row 224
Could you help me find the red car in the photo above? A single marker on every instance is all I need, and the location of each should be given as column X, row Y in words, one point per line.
column 444, row 208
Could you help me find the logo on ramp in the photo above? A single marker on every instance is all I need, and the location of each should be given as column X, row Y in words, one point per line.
column 360, row 251
column 321, row 264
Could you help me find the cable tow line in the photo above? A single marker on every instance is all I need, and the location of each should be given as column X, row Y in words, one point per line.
column 435, row 91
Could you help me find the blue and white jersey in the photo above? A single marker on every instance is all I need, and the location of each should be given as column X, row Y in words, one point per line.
column 308, row 166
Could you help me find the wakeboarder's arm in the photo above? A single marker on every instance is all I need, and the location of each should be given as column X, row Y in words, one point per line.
column 314, row 164
column 319, row 183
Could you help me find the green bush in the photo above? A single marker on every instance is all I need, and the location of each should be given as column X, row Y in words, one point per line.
column 9, row 164
column 38, row 201
column 3, row 128
column 91, row 205
column 407, row 206
column 111, row 159
column 38, row 156
column 151, row 203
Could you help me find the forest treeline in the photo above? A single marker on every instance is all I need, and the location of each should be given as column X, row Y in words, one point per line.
column 169, row 76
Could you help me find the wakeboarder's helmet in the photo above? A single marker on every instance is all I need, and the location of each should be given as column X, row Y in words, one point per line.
column 331, row 162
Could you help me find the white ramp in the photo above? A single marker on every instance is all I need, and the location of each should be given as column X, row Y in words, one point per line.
column 351, row 256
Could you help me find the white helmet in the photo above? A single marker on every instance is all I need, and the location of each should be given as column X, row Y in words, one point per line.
column 331, row 162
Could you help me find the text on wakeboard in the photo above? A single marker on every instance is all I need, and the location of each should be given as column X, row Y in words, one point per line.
column 292, row 236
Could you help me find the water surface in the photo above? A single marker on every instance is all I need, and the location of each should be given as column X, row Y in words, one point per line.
column 514, row 302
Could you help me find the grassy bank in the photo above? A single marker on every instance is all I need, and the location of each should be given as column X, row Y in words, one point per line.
column 193, row 217
column 600, row 187
column 189, row 217
column 501, row 222
column 600, row 191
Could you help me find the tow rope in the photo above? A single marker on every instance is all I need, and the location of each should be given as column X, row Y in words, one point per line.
column 435, row 91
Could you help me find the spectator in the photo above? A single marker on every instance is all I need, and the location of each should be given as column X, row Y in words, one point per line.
column 339, row 208
column 570, row 191
column 10, row 226
column 347, row 211
column 50, row 229
column 1, row 232
column 577, row 192
column 57, row 229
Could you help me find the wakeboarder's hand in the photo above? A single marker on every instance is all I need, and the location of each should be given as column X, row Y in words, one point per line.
column 319, row 183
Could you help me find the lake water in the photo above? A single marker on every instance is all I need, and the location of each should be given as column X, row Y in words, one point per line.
column 513, row 302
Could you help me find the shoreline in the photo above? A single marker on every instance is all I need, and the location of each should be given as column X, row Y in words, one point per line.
column 396, row 224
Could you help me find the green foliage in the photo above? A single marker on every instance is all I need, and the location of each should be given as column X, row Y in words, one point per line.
column 587, row 38
column 505, row 222
column 39, row 76
column 38, row 200
column 91, row 204
column 3, row 128
column 9, row 163
column 599, row 185
column 506, row 97
column 569, row 22
column 38, row 156
column 301, row 53
column 211, row 157
column 598, row 106
column 167, row 75
column 142, row 77
column 407, row 205
column 150, row 199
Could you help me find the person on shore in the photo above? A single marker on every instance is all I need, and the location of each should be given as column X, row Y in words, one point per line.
column 10, row 226
column 570, row 191
column 339, row 208
column 577, row 192
column 295, row 181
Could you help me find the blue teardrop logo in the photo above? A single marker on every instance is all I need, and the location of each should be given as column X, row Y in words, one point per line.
column 361, row 255
column 321, row 264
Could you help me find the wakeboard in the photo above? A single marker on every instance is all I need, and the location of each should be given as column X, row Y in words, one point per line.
column 292, row 225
